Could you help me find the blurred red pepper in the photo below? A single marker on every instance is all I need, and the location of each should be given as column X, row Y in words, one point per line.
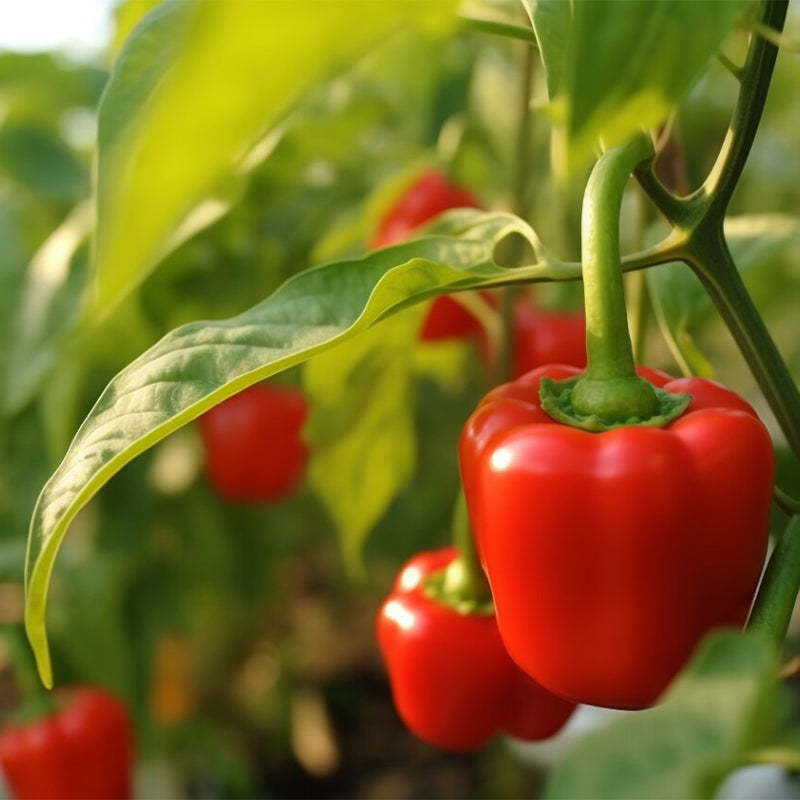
column 453, row 682
column 83, row 752
column 547, row 337
column 429, row 196
column 611, row 554
column 254, row 449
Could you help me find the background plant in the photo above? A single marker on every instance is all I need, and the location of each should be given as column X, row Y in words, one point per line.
column 197, row 187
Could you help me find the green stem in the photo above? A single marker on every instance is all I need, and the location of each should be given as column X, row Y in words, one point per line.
column 778, row 592
column 609, row 393
column 519, row 197
column 637, row 291
column 465, row 585
column 755, row 76
column 785, row 501
column 608, row 344
column 712, row 262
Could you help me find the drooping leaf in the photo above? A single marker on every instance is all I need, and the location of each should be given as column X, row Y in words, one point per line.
column 361, row 429
column 629, row 62
column 201, row 364
column 196, row 86
column 551, row 20
column 721, row 706
column 679, row 299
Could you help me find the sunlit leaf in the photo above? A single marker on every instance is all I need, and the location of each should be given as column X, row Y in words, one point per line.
column 551, row 20
column 195, row 87
column 629, row 62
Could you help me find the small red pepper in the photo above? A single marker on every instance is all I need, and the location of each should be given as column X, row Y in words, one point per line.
column 83, row 752
column 429, row 196
column 453, row 682
column 253, row 443
column 547, row 337
column 611, row 554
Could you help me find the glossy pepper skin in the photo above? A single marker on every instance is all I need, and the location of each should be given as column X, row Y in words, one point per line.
column 254, row 449
column 83, row 752
column 429, row 196
column 452, row 680
column 611, row 554
column 547, row 337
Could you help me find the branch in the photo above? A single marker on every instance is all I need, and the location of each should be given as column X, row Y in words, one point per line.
column 755, row 78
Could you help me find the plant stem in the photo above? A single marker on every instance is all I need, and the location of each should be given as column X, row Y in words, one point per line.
column 755, row 76
column 715, row 268
column 778, row 592
column 637, row 291
column 518, row 201
column 608, row 344
column 785, row 501
column 464, row 578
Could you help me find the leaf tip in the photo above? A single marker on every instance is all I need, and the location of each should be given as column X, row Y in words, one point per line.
column 37, row 637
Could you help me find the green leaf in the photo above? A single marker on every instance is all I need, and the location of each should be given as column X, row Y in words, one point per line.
column 629, row 62
column 48, row 306
column 720, row 707
column 196, row 86
column 12, row 275
column 681, row 303
column 41, row 163
column 361, row 429
column 201, row 364
column 551, row 20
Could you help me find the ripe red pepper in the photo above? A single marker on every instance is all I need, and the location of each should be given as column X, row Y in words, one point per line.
column 611, row 554
column 429, row 196
column 453, row 682
column 254, row 449
column 547, row 337
column 83, row 752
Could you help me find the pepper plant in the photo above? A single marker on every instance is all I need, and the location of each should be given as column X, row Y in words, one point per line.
column 239, row 79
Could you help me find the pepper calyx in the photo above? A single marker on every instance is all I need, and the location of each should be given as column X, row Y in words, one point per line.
column 601, row 405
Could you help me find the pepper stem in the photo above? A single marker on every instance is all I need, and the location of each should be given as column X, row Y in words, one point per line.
column 464, row 575
column 609, row 393
column 462, row 585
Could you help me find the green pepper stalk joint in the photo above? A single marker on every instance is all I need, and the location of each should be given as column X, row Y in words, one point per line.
column 609, row 393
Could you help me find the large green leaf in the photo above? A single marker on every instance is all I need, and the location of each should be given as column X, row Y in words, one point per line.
column 196, row 86
column 198, row 365
column 551, row 20
column 679, row 299
column 361, row 428
column 628, row 63
column 718, row 709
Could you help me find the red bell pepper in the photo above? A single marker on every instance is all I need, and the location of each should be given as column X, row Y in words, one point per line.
column 453, row 682
column 429, row 196
column 83, row 752
column 547, row 337
column 254, row 449
column 611, row 554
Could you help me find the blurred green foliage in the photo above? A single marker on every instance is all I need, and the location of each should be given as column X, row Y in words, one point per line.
column 226, row 627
